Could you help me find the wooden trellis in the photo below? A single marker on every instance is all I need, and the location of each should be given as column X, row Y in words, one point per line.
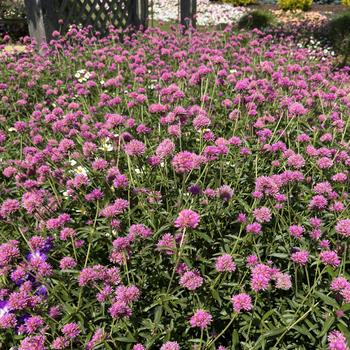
column 44, row 15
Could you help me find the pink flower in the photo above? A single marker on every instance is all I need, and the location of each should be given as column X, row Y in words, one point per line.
column 170, row 345
column 225, row 192
column 296, row 161
column 283, row 281
column 186, row 161
column 224, row 263
column 297, row 109
column 301, row 257
column 254, row 228
column 241, row 302
column 191, row 280
column 67, row 263
column 167, row 244
column 318, row 202
column 339, row 283
column 135, row 148
column 165, row 148
column 30, row 343
column 71, row 330
column 325, row 163
column 201, row 319
column 187, row 219
column 330, row 257
column 120, row 309
column 97, row 338
column 262, row 214
column 337, row 341
column 60, row 343
column 138, row 347
column 296, row 231
column 343, row 227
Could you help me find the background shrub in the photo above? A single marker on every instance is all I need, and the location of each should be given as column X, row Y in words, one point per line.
column 240, row 2
column 256, row 19
column 295, row 4
column 339, row 35
column 12, row 8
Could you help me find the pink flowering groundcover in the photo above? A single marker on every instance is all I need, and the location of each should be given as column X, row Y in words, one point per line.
column 173, row 192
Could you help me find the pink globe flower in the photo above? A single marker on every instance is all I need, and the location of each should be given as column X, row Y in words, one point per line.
column 301, row 257
column 330, row 257
column 170, row 345
column 343, row 227
column 186, row 161
column 187, row 219
column 135, row 148
column 337, row 341
column 225, row 263
column 191, row 280
column 201, row 319
column 241, row 302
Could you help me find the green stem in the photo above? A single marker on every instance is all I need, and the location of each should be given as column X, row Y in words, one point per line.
column 221, row 333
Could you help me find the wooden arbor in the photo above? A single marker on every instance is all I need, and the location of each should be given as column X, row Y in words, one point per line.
column 44, row 15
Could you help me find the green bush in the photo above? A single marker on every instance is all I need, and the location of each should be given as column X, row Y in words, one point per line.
column 293, row 5
column 12, row 8
column 240, row 2
column 256, row 19
column 339, row 35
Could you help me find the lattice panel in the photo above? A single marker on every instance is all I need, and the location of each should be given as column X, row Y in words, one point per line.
column 99, row 13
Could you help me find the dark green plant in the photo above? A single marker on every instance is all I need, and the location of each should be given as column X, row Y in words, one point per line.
column 256, row 19
column 240, row 2
column 339, row 35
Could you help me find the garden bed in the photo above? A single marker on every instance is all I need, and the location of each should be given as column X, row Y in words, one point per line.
column 174, row 192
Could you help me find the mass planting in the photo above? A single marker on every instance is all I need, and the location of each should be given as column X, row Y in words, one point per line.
column 169, row 191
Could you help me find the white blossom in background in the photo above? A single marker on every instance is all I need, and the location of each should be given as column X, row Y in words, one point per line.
column 207, row 13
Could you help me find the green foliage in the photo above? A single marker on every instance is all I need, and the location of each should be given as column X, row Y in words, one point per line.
column 240, row 2
column 339, row 34
column 293, row 5
column 12, row 8
column 256, row 19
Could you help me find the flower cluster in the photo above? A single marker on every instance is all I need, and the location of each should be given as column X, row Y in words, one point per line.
column 171, row 191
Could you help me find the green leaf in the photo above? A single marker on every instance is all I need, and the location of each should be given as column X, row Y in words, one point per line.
column 345, row 331
column 327, row 300
column 326, row 326
column 129, row 339
column 274, row 332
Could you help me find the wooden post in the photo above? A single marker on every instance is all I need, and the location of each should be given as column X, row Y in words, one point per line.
column 42, row 19
column 188, row 13
column 139, row 13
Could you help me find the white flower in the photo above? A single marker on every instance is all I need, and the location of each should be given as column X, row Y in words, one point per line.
column 65, row 194
column 80, row 170
column 106, row 145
